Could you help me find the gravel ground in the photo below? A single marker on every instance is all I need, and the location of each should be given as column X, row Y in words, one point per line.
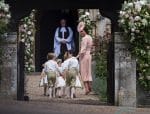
column 40, row 104
column 36, row 93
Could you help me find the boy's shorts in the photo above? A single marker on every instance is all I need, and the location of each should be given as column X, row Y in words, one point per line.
column 51, row 77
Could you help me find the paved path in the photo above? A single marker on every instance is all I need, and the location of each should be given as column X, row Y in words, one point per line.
column 36, row 107
column 39, row 104
column 36, row 93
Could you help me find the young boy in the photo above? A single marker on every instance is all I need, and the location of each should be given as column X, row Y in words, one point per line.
column 71, row 71
column 51, row 69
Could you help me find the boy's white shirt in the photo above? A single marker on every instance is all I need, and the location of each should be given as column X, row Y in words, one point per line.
column 51, row 65
column 72, row 63
column 64, row 64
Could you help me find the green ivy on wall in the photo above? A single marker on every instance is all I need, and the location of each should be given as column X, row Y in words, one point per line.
column 100, row 71
column 101, row 65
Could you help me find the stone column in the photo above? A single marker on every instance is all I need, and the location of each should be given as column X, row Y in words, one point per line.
column 8, row 82
column 125, row 73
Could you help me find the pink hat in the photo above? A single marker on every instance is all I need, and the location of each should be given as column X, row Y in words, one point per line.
column 80, row 26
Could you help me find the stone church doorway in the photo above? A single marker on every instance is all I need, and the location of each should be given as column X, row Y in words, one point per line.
column 45, row 18
column 47, row 22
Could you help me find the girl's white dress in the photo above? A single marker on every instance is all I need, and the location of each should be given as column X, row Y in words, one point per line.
column 43, row 80
column 60, row 82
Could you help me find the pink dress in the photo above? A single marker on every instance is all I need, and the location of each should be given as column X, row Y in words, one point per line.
column 85, row 58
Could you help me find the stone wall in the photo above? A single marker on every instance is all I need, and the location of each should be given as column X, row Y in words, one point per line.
column 8, row 82
column 125, row 73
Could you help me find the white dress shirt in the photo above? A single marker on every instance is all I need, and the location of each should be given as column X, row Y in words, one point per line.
column 72, row 63
column 65, row 64
column 51, row 65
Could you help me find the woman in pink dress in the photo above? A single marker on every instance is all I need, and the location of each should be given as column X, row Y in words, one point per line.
column 85, row 57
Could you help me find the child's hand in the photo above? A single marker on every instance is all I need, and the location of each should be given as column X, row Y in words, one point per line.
column 63, row 76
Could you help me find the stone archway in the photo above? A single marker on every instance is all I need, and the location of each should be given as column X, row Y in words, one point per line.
column 24, row 9
column 33, row 95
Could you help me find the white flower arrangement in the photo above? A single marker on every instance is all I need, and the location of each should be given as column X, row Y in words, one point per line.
column 134, row 20
column 134, row 15
column 26, row 31
column 4, row 19
column 4, row 12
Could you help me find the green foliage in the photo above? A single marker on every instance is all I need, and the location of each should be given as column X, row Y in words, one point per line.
column 100, row 88
column 135, row 22
column 101, row 65
column 100, row 58
column 100, row 83
column 3, row 27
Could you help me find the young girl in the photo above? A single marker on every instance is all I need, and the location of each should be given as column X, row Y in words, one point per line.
column 51, row 69
column 60, row 80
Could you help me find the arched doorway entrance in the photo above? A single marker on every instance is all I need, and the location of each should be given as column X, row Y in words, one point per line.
column 23, row 9
column 47, row 22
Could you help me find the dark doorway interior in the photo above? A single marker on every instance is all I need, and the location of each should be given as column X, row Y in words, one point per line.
column 47, row 22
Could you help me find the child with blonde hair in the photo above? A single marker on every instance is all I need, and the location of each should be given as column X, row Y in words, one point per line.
column 51, row 70
column 71, row 72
